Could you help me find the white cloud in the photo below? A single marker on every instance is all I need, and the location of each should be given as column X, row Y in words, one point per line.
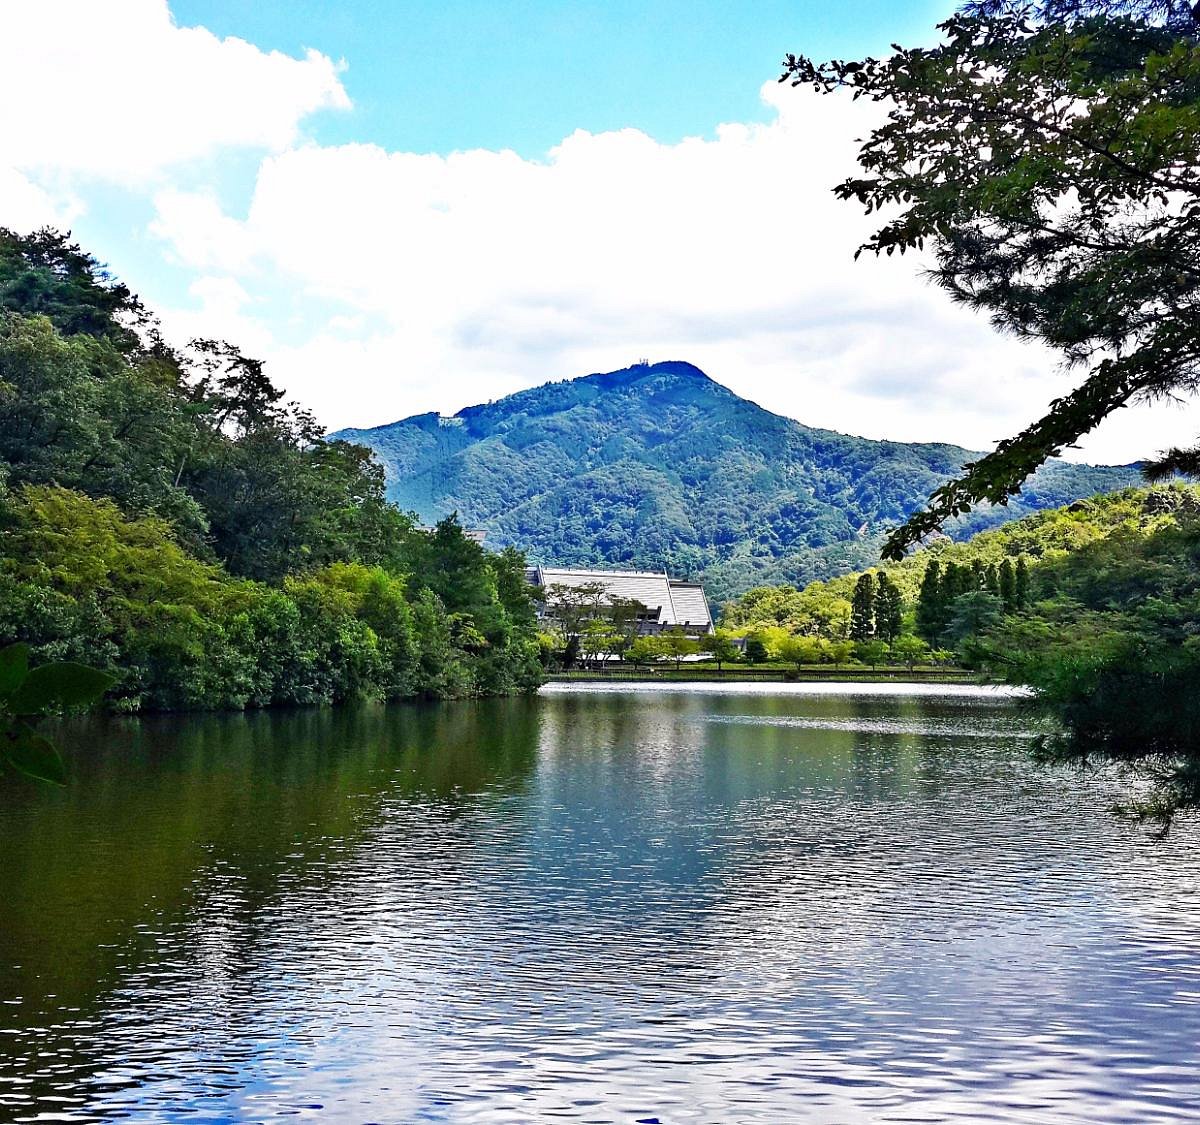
column 115, row 90
column 478, row 273
column 380, row 284
column 26, row 206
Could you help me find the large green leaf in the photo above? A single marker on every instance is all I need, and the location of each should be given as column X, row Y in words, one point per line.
column 53, row 687
column 32, row 754
column 14, row 665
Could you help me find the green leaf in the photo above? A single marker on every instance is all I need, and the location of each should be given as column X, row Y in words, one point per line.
column 35, row 755
column 14, row 665
column 55, row 686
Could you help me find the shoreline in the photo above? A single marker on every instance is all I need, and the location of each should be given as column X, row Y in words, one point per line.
column 779, row 676
column 880, row 688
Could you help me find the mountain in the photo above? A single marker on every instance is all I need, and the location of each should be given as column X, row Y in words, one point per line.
column 657, row 466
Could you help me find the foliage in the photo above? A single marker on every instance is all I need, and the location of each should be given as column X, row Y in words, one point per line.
column 1047, row 154
column 872, row 652
column 720, row 645
column 756, row 650
column 802, row 650
column 889, row 609
column 80, row 581
column 862, row 608
column 910, row 650
column 660, row 467
column 28, row 694
column 1111, row 645
column 1095, row 606
column 168, row 518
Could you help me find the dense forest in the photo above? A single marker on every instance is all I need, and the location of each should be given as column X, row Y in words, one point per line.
column 166, row 516
column 659, row 466
column 1094, row 606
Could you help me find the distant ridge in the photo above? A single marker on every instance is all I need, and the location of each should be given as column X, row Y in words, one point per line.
column 657, row 466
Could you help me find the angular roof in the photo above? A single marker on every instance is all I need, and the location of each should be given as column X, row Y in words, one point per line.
column 691, row 606
column 676, row 602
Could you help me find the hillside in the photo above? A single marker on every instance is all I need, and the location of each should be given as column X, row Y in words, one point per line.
column 1117, row 521
column 1095, row 606
column 660, row 466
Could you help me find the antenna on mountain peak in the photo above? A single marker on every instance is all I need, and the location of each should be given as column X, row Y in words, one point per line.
column 642, row 363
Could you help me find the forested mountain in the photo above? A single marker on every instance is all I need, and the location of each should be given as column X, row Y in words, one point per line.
column 660, row 466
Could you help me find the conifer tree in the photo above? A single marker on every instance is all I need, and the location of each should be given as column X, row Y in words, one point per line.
column 862, row 608
column 1008, row 585
column 991, row 580
column 954, row 582
column 929, row 601
column 889, row 610
column 1022, row 583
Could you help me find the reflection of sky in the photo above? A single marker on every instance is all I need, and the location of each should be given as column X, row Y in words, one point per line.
column 700, row 908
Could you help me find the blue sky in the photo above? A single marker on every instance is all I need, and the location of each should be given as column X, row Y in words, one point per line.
column 437, row 76
column 406, row 207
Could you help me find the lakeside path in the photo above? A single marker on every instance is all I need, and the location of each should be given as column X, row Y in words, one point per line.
column 799, row 688
column 775, row 677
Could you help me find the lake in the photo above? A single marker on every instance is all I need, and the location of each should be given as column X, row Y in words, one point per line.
column 717, row 905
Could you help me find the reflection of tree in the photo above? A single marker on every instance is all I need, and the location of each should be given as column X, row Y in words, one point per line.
column 155, row 802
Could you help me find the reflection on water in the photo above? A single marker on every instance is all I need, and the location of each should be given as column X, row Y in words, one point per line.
column 599, row 905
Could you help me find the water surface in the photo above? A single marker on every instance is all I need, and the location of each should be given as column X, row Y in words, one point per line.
column 758, row 904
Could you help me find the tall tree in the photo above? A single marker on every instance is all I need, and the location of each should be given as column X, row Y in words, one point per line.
column 930, row 601
column 1008, row 585
column 862, row 608
column 889, row 610
column 991, row 579
column 1021, row 583
column 1048, row 154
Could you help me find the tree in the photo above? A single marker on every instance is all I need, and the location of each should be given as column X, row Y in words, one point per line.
column 840, row 652
column 801, row 650
column 1021, row 583
column 598, row 639
column 973, row 613
column 46, row 274
column 872, row 652
column 862, row 612
column 991, row 579
column 719, row 644
column 910, row 650
column 646, row 650
column 1046, row 155
column 889, row 610
column 676, row 645
column 571, row 607
column 930, row 603
column 756, row 650
column 624, row 616
column 1008, row 585
column 957, row 581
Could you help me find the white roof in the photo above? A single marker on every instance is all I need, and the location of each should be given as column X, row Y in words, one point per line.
column 676, row 602
column 691, row 606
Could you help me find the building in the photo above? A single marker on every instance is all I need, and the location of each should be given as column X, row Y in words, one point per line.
column 670, row 603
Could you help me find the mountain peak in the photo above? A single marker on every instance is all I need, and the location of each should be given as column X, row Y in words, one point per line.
column 678, row 367
column 657, row 466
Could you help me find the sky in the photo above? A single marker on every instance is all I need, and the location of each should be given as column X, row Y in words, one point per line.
column 416, row 206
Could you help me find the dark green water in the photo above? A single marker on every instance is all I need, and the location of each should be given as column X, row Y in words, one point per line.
column 770, row 905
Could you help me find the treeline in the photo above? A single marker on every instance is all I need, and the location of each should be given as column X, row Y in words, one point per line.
column 1095, row 606
column 167, row 516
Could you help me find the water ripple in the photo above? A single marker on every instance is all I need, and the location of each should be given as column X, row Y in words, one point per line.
column 602, row 906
